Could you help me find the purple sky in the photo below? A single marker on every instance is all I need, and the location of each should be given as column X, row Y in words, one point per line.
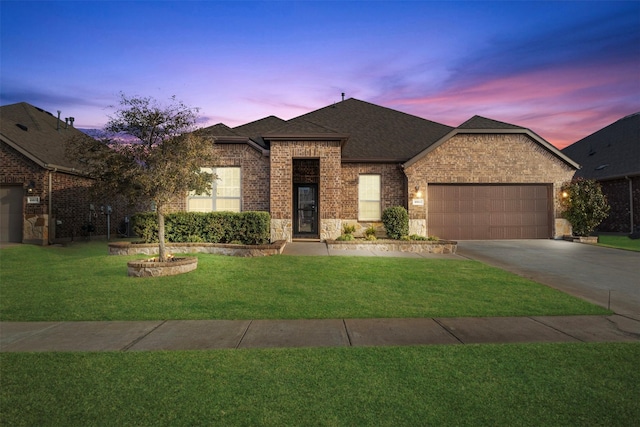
column 562, row 69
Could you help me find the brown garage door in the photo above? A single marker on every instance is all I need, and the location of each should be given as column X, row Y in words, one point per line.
column 11, row 213
column 484, row 212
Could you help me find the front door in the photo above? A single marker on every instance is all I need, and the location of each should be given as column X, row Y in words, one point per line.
column 305, row 211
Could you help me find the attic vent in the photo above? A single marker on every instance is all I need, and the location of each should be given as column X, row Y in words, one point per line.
column 23, row 127
column 599, row 168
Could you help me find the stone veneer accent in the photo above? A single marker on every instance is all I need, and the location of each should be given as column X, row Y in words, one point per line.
column 152, row 268
column 438, row 247
column 488, row 159
column 128, row 248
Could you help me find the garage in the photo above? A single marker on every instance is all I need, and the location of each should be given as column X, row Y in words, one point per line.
column 11, row 213
column 487, row 212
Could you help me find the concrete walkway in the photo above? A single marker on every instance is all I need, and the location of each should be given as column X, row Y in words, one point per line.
column 244, row 334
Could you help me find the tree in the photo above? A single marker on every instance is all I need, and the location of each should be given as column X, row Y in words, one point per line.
column 151, row 153
column 585, row 206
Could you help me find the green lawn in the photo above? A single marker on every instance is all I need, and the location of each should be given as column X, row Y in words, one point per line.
column 620, row 242
column 83, row 282
column 470, row 385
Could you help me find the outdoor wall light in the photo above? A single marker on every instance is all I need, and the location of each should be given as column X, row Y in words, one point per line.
column 418, row 192
column 31, row 188
column 565, row 194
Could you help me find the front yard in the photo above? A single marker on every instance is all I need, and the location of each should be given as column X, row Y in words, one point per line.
column 470, row 385
column 82, row 282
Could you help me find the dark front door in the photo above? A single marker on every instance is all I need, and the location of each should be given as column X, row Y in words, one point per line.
column 305, row 210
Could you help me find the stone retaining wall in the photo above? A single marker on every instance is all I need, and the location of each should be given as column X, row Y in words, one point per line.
column 418, row 246
column 128, row 248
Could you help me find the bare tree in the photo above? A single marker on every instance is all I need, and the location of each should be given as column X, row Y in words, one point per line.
column 153, row 154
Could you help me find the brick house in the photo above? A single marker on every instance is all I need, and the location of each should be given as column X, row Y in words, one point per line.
column 44, row 195
column 611, row 156
column 347, row 162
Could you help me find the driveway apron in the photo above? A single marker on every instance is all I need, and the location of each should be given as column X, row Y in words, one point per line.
column 607, row 277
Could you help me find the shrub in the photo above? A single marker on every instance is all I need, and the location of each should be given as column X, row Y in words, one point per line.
column 345, row 238
column 418, row 237
column 370, row 231
column 585, row 206
column 249, row 228
column 396, row 222
column 370, row 237
column 348, row 229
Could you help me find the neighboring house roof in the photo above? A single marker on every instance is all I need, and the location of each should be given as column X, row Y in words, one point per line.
column 611, row 152
column 38, row 135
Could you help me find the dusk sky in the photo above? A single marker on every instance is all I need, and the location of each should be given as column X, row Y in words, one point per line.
column 562, row 69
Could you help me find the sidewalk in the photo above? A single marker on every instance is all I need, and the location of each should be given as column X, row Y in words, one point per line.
column 242, row 334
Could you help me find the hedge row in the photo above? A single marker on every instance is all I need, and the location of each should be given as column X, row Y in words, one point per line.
column 248, row 228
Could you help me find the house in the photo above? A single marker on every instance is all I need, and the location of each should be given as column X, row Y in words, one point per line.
column 611, row 156
column 44, row 195
column 347, row 162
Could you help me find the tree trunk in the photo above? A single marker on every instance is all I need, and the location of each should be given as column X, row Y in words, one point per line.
column 162, row 255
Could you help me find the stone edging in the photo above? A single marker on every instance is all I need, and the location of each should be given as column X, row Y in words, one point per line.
column 148, row 268
column 418, row 246
column 128, row 248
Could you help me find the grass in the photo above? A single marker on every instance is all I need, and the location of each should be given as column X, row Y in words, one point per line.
column 83, row 282
column 471, row 385
column 619, row 242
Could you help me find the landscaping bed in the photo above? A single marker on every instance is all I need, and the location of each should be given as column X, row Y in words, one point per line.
column 417, row 246
column 133, row 248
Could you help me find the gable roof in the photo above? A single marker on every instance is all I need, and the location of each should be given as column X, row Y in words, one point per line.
column 611, row 152
column 39, row 136
column 483, row 125
column 479, row 122
column 257, row 128
column 375, row 133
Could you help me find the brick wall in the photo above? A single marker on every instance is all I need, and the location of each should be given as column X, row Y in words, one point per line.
column 393, row 183
column 71, row 198
column 487, row 158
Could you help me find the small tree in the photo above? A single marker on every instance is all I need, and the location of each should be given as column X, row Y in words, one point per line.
column 153, row 154
column 585, row 206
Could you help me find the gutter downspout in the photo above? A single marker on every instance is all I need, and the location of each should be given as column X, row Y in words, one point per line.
column 630, row 203
column 50, row 239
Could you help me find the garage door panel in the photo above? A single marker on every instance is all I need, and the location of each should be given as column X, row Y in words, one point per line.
column 489, row 211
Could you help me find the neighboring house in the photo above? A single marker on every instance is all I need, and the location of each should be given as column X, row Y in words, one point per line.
column 611, row 156
column 44, row 195
column 347, row 162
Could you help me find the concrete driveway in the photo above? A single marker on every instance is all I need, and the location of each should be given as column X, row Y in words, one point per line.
column 604, row 276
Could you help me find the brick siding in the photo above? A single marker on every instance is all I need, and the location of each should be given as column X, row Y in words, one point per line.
column 487, row 159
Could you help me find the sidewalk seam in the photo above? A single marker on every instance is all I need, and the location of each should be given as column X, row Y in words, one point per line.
column 346, row 329
column 244, row 334
column 140, row 338
column 556, row 329
column 447, row 330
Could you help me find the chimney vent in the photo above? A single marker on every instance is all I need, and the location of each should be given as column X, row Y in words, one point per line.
column 343, row 96
column 71, row 120
column 58, row 125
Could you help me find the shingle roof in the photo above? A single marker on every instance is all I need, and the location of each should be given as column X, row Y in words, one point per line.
column 257, row 128
column 375, row 132
column 613, row 151
column 218, row 130
column 479, row 122
column 34, row 132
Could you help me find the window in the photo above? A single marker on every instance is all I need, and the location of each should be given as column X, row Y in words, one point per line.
column 369, row 198
column 225, row 192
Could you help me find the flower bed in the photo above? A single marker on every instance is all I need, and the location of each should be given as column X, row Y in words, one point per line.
column 418, row 246
column 129, row 248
